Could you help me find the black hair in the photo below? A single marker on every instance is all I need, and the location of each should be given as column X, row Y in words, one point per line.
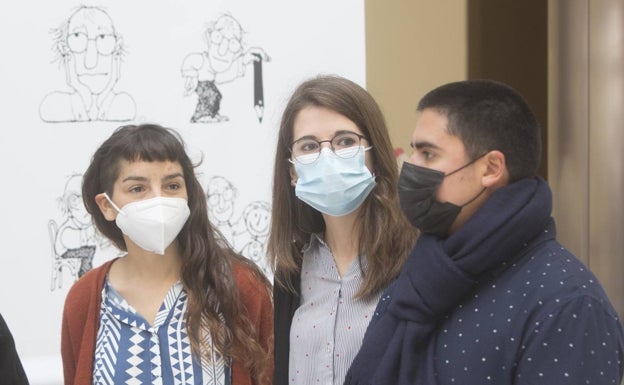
column 488, row 115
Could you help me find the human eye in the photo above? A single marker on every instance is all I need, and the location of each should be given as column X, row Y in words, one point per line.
column 305, row 146
column 345, row 140
column 174, row 186
column 426, row 154
column 136, row 189
column 424, row 151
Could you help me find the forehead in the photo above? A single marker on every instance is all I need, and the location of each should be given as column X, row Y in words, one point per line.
column 321, row 123
column 432, row 131
column 147, row 170
column 91, row 18
column 217, row 186
column 229, row 27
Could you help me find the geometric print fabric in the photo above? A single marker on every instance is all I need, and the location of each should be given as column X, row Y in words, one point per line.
column 130, row 351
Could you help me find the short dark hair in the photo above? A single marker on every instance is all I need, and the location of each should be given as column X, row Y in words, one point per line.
column 488, row 115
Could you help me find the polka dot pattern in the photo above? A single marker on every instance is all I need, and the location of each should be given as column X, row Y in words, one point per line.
column 545, row 319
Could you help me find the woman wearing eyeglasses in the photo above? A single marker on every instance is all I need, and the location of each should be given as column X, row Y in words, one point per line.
column 338, row 236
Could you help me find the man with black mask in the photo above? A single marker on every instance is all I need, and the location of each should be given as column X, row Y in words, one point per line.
column 488, row 295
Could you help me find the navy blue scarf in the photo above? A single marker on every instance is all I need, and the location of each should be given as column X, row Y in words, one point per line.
column 440, row 273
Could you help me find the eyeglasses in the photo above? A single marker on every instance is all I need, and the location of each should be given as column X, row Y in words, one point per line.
column 104, row 43
column 234, row 45
column 344, row 144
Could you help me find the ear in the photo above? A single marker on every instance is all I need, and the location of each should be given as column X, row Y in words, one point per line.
column 106, row 208
column 495, row 172
column 118, row 45
column 293, row 175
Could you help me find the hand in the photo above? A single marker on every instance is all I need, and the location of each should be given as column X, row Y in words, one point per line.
column 190, row 84
column 71, row 78
column 252, row 55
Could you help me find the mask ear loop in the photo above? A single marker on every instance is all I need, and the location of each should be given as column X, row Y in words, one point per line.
column 113, row 204
column 473, row 199
column 366, row 149
column 466, row 165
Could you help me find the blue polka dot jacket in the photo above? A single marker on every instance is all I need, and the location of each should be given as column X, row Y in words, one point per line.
column 500, row 301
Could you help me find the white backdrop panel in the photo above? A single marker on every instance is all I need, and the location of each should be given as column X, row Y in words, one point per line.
column 42, row 160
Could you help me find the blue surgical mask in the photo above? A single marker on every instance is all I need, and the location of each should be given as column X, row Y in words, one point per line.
column 333, row 185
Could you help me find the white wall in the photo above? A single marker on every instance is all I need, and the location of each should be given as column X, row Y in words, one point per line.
column 38, row 158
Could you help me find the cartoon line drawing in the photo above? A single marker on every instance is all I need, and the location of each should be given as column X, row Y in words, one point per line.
column 257, row 217
column 224, row 61
column 74, row 240
column 90, row 51
column 221, row 196
column 247, row 234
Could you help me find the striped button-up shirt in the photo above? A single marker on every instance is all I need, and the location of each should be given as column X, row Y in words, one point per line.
column 328, row 327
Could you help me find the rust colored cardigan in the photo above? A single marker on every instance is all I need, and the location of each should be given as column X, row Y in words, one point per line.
column 82, row 312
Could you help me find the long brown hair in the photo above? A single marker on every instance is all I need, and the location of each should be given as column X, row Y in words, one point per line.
column 385, row 234
column 206, row 272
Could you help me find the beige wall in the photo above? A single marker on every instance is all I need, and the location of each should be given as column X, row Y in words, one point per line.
column 412, row 46
column 586, row 90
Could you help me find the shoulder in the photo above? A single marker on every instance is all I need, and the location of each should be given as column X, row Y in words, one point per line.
column 554, row 263
column 253, row 288
column 83, row 290
column 553, row 279
column 248, row 278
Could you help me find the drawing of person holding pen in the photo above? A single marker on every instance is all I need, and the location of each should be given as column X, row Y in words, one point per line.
column 224, row 60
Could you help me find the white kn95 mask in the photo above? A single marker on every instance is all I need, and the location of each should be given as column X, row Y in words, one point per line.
column 153, row 224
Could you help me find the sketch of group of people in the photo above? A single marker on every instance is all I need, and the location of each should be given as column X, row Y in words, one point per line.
column 74, row 241
column 90, row 51
column 248, row 232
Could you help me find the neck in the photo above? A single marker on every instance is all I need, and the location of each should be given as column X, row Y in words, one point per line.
column 342, row 238
column 148, row 266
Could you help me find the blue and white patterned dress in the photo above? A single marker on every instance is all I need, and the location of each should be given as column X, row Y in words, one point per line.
column 130, row 351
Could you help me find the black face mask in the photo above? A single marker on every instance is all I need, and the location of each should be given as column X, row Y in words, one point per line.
column 417, row 188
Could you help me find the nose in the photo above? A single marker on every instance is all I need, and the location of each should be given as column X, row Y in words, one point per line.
column 91, row 55
column 320, row 142
column 223, row 47
column 413, row 157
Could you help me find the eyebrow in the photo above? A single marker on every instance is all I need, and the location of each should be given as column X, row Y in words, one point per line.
column 339, row 132
column 423, row 144
column 144, row 179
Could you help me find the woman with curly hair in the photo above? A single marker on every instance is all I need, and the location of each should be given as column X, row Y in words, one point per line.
column 179, row 307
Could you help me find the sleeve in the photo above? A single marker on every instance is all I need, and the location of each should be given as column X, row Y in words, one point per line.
column 285, row 304
column 79, row 325
column 191, row 64
column 11, row 369
column 257, row 299
column 579, row 342
column 67, row 348
column 261, row 314
column 70, row 342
